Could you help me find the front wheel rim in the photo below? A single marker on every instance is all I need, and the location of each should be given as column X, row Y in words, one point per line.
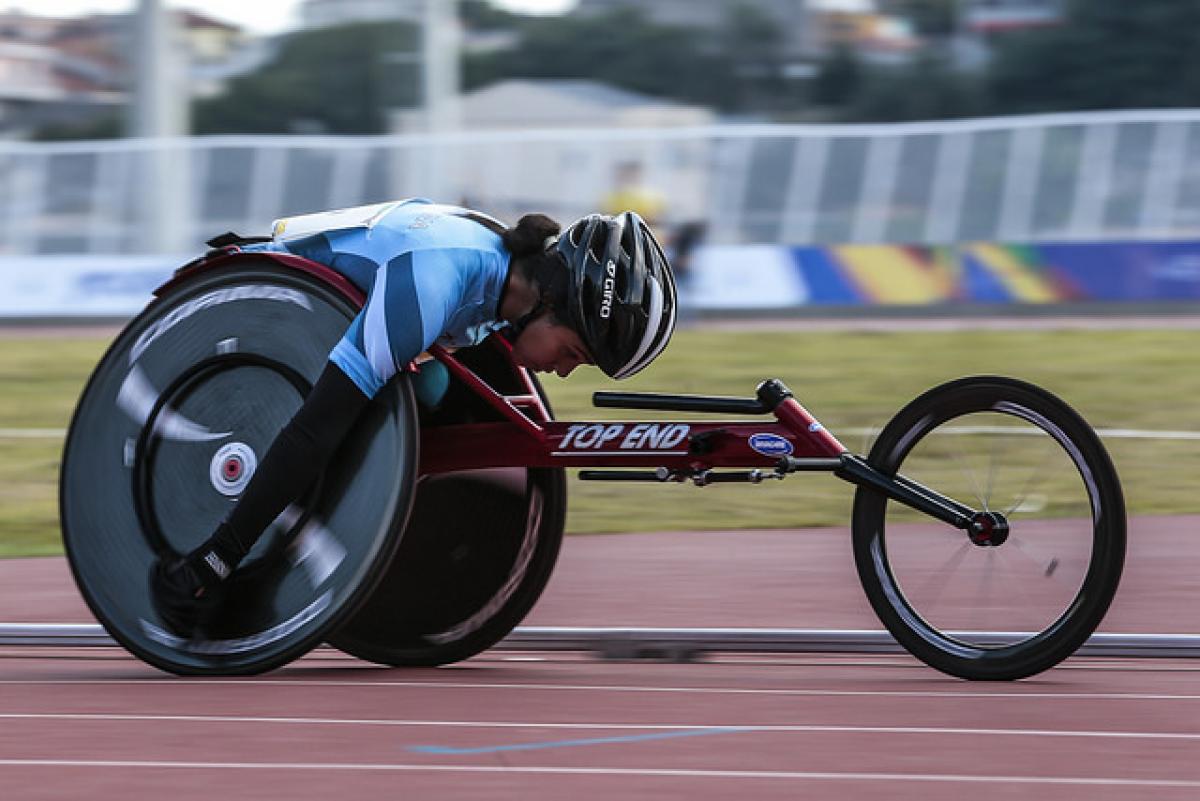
column 1006, row 645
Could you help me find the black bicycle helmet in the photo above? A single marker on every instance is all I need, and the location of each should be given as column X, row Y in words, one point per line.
column 620, row 293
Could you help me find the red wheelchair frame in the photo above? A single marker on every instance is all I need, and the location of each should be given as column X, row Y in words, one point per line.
column 678, row 450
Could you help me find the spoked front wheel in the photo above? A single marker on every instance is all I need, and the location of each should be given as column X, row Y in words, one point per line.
column 1025, row 590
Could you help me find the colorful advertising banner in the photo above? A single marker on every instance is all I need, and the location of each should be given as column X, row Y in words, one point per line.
column 736, row 277
column 985, row 273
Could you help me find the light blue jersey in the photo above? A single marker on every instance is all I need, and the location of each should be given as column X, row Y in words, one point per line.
column 430, row 274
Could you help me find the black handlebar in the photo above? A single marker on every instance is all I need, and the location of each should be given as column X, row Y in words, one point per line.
column 678, row 403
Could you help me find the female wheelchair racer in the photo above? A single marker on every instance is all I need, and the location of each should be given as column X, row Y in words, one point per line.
column 600, row 293
column 988, row 524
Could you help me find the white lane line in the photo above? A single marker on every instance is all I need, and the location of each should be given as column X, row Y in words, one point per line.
column 174, row 684
column 603, row 771
column 33, row 433
column 1105, row 433
column 498, row 724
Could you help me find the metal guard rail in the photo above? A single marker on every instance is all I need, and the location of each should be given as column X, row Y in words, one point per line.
column 678, row 644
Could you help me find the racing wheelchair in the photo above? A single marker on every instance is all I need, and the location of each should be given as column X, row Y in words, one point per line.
column 988, row 522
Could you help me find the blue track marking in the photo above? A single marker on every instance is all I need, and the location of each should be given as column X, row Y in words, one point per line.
column 634, row 738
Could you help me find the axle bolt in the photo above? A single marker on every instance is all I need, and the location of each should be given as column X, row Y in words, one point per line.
column 988, row 529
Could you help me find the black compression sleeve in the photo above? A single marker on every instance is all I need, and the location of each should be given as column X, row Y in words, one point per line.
column 295, row 459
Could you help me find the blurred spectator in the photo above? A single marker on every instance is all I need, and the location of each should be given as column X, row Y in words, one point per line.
column 630, row 194
column 681, row 245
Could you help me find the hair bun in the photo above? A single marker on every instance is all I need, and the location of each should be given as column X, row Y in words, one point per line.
column 530, row 234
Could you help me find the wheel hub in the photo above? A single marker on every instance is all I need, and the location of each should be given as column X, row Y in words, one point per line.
column 231, row 468
column 988, row 529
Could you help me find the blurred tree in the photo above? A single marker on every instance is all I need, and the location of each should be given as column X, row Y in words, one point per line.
column 927, row 89
column 839, row 79
column 333, row 80
column 934, row 19
column 621, row 48
column 754, row 45
column 103, row 126
column 481, row 15
column 1106, row 55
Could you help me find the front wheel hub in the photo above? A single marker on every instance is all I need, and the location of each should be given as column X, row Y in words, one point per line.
column 988, row 529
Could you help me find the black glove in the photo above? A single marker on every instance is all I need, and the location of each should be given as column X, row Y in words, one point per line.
column 186, row 590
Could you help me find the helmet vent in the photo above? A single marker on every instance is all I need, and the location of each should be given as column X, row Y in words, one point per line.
column 596, row 245
column 628, row 243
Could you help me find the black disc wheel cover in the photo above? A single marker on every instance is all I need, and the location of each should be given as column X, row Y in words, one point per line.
column 169, row 429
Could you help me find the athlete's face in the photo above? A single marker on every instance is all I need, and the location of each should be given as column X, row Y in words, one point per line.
column 547, row 347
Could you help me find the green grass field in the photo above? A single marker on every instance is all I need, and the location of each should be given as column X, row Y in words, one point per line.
column 1124, row 379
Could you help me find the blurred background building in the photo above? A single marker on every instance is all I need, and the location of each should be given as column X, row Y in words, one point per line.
column 766, row 59
column 1001, row 16
column 762, row 123
column 572, row 103
column 48, row 75
column 72, row 77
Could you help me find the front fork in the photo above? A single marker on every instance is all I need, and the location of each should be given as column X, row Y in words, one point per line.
column 984, row 527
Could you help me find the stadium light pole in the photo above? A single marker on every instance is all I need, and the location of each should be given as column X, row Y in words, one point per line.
column 440, row 82
column 159, row 115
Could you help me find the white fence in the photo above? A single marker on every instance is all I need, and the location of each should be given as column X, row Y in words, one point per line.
column 1090, row 176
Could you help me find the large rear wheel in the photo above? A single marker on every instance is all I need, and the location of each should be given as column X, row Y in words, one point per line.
column 168, row 433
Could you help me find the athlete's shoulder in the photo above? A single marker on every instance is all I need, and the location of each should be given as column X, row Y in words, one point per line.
column 429, row 224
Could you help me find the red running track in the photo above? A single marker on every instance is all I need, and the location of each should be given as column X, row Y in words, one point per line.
column 96, row 723
column 800, row 578
column 105, row 727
